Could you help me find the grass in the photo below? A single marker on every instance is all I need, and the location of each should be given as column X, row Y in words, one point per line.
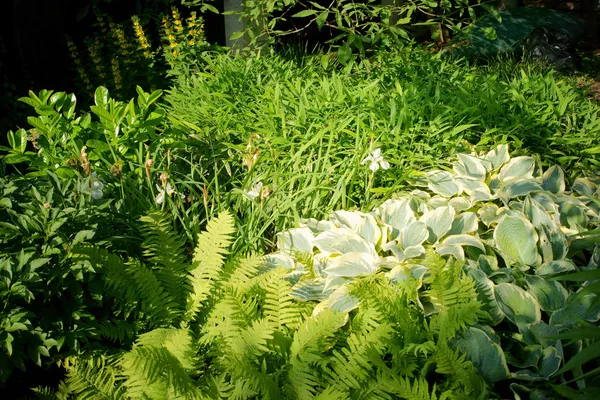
column 311, row 122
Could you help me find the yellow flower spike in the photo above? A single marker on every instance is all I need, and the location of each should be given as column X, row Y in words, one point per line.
column 141, row 36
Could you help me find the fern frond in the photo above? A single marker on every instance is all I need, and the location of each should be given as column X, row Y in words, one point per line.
column 241, row 274
column 44, row 393
column 118, row 330
column 353, row 364
column 165, row 251
column 93, row 378
column 391, row 387
column 280, row 308
column 159, row 366
column 208, row 261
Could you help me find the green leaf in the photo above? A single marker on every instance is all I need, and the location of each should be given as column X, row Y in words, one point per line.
column 321, row 19
column 304, row 13
column 486, row 355
column 297, row 239
column 101, row 96
column 520, row 307
column 351, row 264
column 589, row 353
column 516, row 239
column 584, row 308
column 442, row 183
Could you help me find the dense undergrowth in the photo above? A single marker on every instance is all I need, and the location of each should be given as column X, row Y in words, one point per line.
column 100, row 213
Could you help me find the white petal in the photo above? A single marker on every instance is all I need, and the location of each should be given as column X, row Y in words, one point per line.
column 160, row 198
column 96, row 194
column 384, row 164
column 160, row 189
column 376, row 153
column 374, row 166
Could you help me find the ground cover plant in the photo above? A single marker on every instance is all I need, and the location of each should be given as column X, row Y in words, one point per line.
column 113, row 207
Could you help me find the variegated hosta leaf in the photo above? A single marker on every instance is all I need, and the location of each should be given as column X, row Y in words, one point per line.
column 275, row 260
column 485, row 295
column 520, row 307
column 460, row 203
column 485, row 354
column 469, row 166
column 498, row 156
column 518, row 167
column 453, row 250
column 339, row 300
column 573, row 215
column 516, row 239
column 464, row 240
column 464, row 223
column 310, row 290
column 348, row 219
column 316, row 226
column 552, row 268
column 553, row 180
column 439, row 222
column 585, row 308
column 442, row 183
column 369, row 229
column 414, row 234
column 584, row 187
column 295, row 240
column 397, row 214
column 352, row 264
column 551, row 295
column 488, row 213
column 516, row 187
column 341, row 241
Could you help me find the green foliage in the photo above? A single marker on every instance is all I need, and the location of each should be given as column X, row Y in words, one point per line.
column 356, row 25
column 302, row 128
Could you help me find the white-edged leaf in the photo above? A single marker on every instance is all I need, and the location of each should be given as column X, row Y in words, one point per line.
column 442, row 183
column 460, row 203
column 452, row 250
column 369, row 229
column 464, row 223
column 518, row 167
column 485, row 354
column 464, row 240
column 397, row 214
column 498, row 156
column 295, row 240
column 516, row 239
column 519, row 306
column 414, row 234
column 275, row 260
column 469, row 166
column 439, row 222
column 342, row 240
column 414, row 251
column 551, row 295
column 515, row 187
column 555, row 267
column 553, row 179
column 352, row 264
column 584, row 187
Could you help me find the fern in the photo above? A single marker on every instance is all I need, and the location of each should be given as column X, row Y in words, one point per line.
column 165, row 251
column 93, row 378
column 208, row 261
column 280, row 309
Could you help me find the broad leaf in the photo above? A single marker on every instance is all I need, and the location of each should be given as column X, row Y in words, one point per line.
column 516, row 239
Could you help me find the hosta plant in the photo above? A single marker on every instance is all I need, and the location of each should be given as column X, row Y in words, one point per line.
column 513, row 224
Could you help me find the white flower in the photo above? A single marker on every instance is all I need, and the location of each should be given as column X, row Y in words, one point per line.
column 57, row 166
column 376, row 160
column 160, row 198
column 255, row 191
column 96, row 187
